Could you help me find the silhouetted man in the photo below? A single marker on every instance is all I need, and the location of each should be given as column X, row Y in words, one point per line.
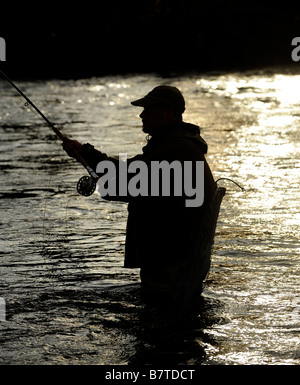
column 163, row 230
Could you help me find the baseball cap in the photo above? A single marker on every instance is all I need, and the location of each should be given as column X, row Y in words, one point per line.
column 168, row 95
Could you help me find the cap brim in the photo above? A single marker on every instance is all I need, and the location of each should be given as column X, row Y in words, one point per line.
column 144, row 102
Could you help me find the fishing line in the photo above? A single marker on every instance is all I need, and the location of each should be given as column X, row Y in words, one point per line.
column 242, row 188
column 56, row 240
column 88, row 180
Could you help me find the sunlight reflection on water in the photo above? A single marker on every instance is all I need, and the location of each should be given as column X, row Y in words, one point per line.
column 60, row 251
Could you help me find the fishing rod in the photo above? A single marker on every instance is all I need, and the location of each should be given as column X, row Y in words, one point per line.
column 86, row 184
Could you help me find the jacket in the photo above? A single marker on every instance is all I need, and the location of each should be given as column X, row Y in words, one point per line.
column 162, row 231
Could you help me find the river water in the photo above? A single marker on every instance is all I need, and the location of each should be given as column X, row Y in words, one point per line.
column 68, row 300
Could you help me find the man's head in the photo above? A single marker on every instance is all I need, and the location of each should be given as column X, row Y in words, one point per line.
column 163, row 106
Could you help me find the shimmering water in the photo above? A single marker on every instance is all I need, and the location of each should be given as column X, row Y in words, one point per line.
column 68, row 299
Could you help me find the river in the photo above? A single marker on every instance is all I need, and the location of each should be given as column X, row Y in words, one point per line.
column 65, row 296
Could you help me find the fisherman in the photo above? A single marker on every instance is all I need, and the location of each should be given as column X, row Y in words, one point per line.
column 163, row 233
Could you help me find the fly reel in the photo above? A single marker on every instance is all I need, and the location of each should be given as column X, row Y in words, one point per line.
column 86, row 185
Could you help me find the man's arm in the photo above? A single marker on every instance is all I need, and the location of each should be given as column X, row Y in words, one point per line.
column 87, row 151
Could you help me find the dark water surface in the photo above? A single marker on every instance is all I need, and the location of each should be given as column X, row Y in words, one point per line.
column 68, row 298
